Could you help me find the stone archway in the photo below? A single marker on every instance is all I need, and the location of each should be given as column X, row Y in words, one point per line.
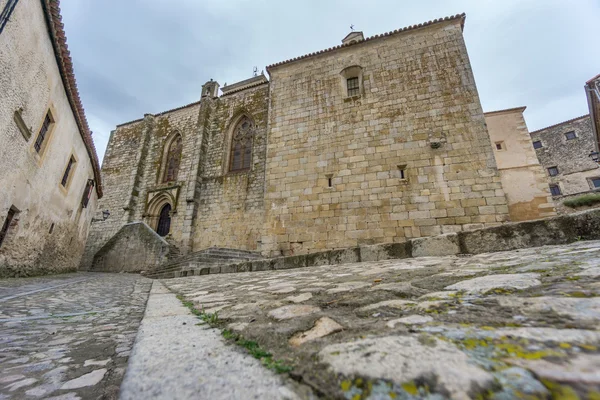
column 160, row 209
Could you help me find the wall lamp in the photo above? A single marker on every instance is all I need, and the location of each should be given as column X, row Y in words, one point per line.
column 105, row 215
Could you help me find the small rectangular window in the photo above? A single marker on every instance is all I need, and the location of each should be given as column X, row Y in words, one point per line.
column 353, row 87
column 595, row 182
column 571, row 135
column 402, row 172
column 499, row 145
column 553, row 171
column 6, row 225
column 537, row 144
column 41, row 137
column 87, row 193
column 65, row 178
column 555, row 190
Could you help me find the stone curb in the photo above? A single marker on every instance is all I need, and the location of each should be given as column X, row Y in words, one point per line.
column 564, row 229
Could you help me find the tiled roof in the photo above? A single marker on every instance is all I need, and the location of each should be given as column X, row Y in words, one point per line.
column 593, row 79
column 560, row 123
column 461, row 17
column 65, row 65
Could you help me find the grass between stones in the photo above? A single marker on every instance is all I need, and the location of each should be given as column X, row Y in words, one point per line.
column 252, row 347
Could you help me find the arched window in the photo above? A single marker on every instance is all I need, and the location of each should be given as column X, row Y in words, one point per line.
column 164, row 220
column 241, row 145
column 173, row 160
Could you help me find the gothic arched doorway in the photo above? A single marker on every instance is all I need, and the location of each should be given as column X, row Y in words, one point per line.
column 164, row 220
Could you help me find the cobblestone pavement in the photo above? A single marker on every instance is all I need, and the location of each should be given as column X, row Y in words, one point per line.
column 68, row 336
column 518, row 324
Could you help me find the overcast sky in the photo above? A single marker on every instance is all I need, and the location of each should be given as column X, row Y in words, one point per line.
column 145, row 56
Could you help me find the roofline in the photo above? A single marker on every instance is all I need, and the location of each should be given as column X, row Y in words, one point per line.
column 65, row 66
column 245, row 88
column 521, row 109
column 462, row 17
column 593, row 79
column 160, row 113
column 560, row 123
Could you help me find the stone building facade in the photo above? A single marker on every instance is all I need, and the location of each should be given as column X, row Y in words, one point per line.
column 523, row 178
column 563, row 150
column 373, row 141
column 592, row 92
column 49, row 171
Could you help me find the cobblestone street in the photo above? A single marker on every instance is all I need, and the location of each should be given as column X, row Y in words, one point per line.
column 518, row 324
column 68, row 336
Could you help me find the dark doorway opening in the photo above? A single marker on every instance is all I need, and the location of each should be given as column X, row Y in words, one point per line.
column 164, row 221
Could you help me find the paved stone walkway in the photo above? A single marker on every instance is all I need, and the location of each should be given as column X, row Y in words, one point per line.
column 68, row 336
column 519, row 324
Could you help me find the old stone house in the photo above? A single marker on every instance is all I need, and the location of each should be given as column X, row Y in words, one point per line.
column 49, row 171
column 523, row 178
column 563, row 149
column 376, row 140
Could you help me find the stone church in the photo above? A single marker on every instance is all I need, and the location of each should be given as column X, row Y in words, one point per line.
column 376, row 140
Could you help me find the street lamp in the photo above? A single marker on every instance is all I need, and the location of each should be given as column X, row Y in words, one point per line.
column 105, row 215
column 595, row 156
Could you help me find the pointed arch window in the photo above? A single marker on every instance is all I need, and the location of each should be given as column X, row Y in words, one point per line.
column 241, row 145
column 173, row 159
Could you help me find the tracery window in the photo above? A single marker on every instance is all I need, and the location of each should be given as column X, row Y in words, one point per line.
column 241, row 145
column 173, row 160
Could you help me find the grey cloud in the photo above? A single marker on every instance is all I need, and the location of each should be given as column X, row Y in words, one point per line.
column 139, row 56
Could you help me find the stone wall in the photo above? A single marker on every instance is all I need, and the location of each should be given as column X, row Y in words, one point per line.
column 570, row 156
column 231, row 205
column 134, row 248
column 418, row 91
column 50, row 228
column 523, row 178
column 132, row 171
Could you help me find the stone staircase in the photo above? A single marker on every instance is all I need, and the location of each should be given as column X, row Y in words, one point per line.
column 202, row 262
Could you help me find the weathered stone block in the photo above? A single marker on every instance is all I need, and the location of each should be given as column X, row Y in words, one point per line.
column 442, row 245
column 343, row 256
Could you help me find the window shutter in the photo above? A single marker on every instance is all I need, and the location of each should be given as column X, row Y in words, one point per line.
column 87, row 193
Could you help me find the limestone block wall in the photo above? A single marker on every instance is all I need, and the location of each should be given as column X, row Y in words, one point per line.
column 418, row 89
column 231, row 204
column 569, row 156
column 523, row 178
column 184, row 122
column 133, row 168
column 50, row 227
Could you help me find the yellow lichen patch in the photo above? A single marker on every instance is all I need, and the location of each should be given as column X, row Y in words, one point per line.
column 471, row 343
column 410, row 388
column 589, row 347
column 514, row 350
column 564, row 345
column 593, row 395
column 346, row 385
column 560, row 392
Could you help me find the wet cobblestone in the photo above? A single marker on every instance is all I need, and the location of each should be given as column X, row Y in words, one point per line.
column 68, row 336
